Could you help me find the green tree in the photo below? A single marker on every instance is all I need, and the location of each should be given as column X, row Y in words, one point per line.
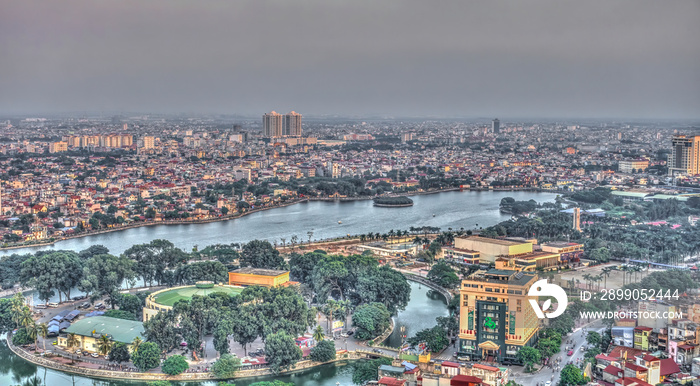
column 528, row 356
column 435, row 338
column 147, row 357
column 443, row 275
column 60, row 270
column 160, row 330
column 72, row 340
column 571, row 376
column 136, row 343
column 103, row 276
column 104, row 344
column 226, row 366
column 318, row 333
column 174, row 365
column 221, row 333
column 119, row 353
column 368, row 370
column 21, row 337
column 281, row 351
column 246, row 327
column 324, row 351
column 130, row 303
column 371, row 320
column 593, row 338
column 261, row 254
column 120, row 314
column 384, row 285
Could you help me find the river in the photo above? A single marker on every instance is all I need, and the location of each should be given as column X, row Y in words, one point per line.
column 451, row 209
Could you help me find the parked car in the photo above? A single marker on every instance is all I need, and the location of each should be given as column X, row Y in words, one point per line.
column 53, row 305
column 570, row 353
column 78, row 352
column 351, row 332
column 95, row 355
column 40, row 306
column 85, row 305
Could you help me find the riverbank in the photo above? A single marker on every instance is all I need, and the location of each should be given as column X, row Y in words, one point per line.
column 342, row 356
column 151, row 223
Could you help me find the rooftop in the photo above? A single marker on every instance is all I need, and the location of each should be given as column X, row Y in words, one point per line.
column 169, row 298
column 259, row 271
column 120, row 330
column 489, row 240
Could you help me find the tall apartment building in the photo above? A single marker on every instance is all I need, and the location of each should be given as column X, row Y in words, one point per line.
column 292, row 124
column 495, row 126
column 57, row 147
column 496, row 320
column 278, row 125
column 685, row 155
column 149, row 142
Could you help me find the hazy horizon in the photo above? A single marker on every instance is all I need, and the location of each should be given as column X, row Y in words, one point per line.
column 551, row 59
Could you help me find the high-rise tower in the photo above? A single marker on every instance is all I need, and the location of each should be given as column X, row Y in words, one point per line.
column 685, row 155
column 495, row 126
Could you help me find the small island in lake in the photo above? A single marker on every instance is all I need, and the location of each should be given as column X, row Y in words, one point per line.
column 397, row 202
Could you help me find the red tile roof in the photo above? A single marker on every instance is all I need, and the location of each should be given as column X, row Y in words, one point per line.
column 389, row 381
column 668, row 366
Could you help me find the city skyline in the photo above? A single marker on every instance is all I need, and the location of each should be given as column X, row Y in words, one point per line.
column 632, row 59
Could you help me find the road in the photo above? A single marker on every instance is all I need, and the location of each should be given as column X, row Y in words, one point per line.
column 546, row 374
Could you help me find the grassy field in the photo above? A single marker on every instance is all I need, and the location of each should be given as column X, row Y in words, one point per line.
column 169, row 298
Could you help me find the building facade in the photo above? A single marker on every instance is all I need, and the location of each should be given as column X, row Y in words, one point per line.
column 685, row 155
column 277, row 125
column 496, row 319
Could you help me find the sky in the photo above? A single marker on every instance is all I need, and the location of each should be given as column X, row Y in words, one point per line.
column 439, row 58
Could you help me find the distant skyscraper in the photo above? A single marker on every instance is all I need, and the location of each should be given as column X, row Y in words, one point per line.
column 685, row 155
column 277, row 125
column 292, row 124
column 272, row 125
column 495, row 126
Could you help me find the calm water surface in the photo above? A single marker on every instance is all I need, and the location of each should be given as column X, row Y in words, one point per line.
column 451, row 209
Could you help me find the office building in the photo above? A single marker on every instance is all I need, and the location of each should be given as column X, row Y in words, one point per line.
column 495, row 126
column 685, row 155
column 496, row 319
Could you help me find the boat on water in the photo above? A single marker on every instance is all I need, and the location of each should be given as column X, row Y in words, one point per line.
column 340, row 222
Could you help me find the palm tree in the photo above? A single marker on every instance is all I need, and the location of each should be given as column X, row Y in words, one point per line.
column 606, row 273
column 43, row 331
column 72, row 340
column 104, row 344
column 318, row 334
column 587, row 278
column 25, row 317
column 33, row 332
column 135, row 344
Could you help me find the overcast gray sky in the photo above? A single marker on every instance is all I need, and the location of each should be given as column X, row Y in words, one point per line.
column 535, row 58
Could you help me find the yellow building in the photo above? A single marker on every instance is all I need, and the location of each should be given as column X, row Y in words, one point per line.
column 248, row 276
column 641, row 338
column 490, row 249
column 529, row 262
column 496, row 319
column 87, row 331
